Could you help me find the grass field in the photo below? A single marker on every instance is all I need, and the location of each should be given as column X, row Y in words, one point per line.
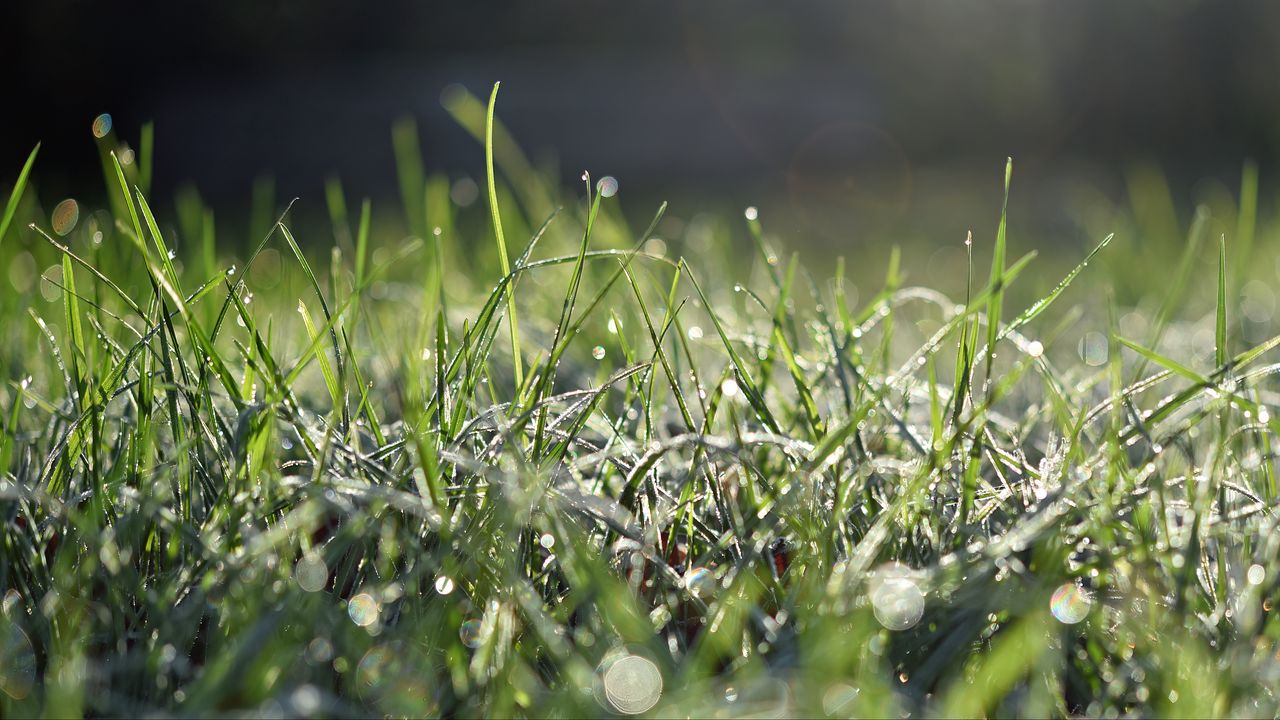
column 551, row 464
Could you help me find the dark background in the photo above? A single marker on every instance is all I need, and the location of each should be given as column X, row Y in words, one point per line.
column 845, row 120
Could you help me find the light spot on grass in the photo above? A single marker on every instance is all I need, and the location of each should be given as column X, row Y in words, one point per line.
column 311, row 573
column 102, row 125
column 363, row 610
column 65, row 216
column 608, row 186
column 1070, row 604
column 629, row 684
column 125, row 154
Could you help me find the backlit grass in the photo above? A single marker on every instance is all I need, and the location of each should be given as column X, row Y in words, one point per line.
column 335, row 476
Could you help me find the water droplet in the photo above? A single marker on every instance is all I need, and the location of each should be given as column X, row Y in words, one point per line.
column 731, row 694
column 173, row 253
column 1035, row 349
column 125, row 153
column 311, row 573
column 547, row 541
column 597, row 352
column 65, row 216
column 695, row 332
column 444, row 584
column 363, row 609
column 231, row 270
column 631, row 684
column 751, row 213
column 1070, row 604
column 729, row 388
column 102, row 125
column 608, row 186
column 470, row 633
column 1256, row 574
column 613, row 326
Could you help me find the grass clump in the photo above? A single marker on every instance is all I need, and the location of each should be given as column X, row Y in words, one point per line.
column 346, row 483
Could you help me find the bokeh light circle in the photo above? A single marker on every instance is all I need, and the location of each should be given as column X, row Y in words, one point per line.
column 102, row 125
column 1070, row 604
column 363, row 609
column 65, row 216
column 628, row 683
column 896, row 597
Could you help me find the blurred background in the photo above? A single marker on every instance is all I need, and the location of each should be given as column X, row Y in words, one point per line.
column 849, row 124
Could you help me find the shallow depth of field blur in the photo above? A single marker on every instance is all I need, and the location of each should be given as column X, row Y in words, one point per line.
column 728, row 359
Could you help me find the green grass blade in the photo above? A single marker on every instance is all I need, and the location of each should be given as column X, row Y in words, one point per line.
column 517, row 360
column 15, row 195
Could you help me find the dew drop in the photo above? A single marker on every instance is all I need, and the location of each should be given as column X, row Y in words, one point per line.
column 597, row 352
column 1035, row 349
column 608, row 186
column 444, row 584
column 751, row 213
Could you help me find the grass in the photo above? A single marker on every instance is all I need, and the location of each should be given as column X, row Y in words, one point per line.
column 335, row 477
